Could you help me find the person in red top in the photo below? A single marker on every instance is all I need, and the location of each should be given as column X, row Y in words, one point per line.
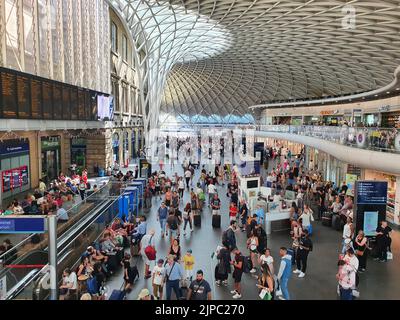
column 84, row 176
column 233, row 211
column 152, row 186
column 168, row 197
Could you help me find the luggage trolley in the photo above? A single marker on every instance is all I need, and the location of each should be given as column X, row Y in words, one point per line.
column 133, row 194
column 140, row 187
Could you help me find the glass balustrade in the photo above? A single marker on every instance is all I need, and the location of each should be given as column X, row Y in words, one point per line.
column 377, row 139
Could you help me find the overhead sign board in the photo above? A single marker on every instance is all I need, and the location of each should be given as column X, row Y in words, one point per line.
column 22, row 225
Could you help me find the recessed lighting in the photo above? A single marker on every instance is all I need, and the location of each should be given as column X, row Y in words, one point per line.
column 387, row 91
column 397, row 88
column 376, row 95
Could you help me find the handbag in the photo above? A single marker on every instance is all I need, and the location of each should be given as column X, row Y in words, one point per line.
column 265, row 295
column 150, row 251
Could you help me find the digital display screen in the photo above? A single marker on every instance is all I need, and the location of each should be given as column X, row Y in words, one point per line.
column 249, row 168
column 252, row 184
column 370, row 222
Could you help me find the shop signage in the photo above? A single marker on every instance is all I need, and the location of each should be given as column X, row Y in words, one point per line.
column 327, row 112
column 354, row 170
column 22, row 225
column 50, row 142
column 350, row 181
column 78, row 142
column 384, row 109
column 13, row 147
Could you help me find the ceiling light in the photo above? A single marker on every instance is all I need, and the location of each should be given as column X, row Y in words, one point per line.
column 387, row 91
column 376, row 95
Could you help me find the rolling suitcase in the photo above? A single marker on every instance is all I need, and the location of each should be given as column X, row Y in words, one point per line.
column 197, row 220
column 336, row 222
column 327, row 219
column 216, row 221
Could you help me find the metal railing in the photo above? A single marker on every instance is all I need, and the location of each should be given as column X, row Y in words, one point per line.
column 377, row 139
column 27, row 253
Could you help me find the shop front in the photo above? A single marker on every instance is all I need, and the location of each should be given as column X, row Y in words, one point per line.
column 78, row 153
column 390, row 120
column 393, row 181
column 50, row 157
column 371, row 119
column 312, row 120
column 14, row 167
column 126, row 149
column 115, row 147
column 133, row 143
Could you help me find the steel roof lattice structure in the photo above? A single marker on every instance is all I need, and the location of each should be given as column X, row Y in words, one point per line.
column 215, row 59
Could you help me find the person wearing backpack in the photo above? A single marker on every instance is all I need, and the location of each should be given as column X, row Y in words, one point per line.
column 162, row 215
column 147, row 240
column 238, row 264
column 304, row 248
column 228, row 236
column 172, row 226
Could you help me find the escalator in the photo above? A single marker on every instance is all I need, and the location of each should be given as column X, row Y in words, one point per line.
column 25, row 283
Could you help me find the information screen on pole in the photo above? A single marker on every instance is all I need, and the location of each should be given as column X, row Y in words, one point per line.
column 22, row 225
column 370, row 205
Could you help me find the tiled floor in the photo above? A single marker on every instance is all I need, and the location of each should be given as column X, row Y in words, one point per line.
column 380, row 281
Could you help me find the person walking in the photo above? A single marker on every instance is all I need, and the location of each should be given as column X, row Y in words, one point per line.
column 188, row 176
column 172, row 226
column 187, row 218
column 188, row 262
column 158, row 279
column 147, row 240
column 212, row 189
column 229, row 237
column 304, row 247
column 215, row 204
column 162, row 215
column 243, row 214
column 285, row 272
column 174, row 273
column 199, row 289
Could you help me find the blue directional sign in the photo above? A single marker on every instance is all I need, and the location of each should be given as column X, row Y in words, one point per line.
column 371, row 192
column 22, row 225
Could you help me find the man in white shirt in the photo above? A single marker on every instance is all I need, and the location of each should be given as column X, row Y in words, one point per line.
column 158, row 277
column 188, row 176
column 212, row 189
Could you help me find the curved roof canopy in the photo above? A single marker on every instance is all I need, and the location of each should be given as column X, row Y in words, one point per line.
column 221, row 57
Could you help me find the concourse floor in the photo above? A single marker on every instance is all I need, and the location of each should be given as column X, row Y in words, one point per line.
column 380, row 281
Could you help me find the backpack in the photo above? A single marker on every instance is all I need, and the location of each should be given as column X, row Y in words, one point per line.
column 174, row 225
column 247, row 264
column 92, row 286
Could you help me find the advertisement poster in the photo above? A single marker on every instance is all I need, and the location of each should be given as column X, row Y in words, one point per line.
column 3, row 288
column 350, row 181
column 370, row 222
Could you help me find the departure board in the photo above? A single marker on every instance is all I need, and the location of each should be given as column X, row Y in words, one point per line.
column 9, row 92
column 81, row 104
column 23, row 97
column 74, row 104
column 57, row 102
column 47, row 100
column 36, row 99
column 66, row 109
column 371, row 192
